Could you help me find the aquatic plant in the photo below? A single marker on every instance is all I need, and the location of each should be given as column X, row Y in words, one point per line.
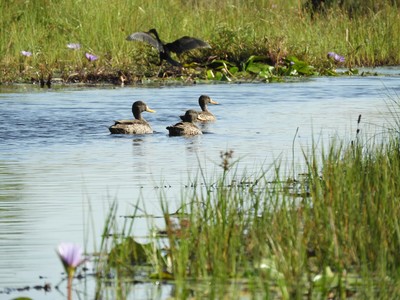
column 235, row 34
column 336, row 57
column 331, row 231
column 71, row 257
column 91, row 57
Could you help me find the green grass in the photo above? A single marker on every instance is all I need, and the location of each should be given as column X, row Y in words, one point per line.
column 334, row 231
column 235, row 29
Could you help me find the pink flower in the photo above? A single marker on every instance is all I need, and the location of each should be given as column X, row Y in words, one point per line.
column 71, row 256
column 26, row 53
column 336, row 57
column 91, row 57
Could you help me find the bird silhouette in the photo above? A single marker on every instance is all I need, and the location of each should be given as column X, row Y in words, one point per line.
column 179, row 46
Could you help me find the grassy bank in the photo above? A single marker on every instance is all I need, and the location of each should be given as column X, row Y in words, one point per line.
column 332, row 232
column 236, row 30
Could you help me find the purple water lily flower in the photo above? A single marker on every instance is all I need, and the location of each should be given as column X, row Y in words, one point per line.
column 71, row 256
column 336, row 57
column 26, row 53
column 91, row 57
column 74, row 46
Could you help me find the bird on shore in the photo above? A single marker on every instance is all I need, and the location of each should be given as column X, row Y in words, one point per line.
column 179, row 46
column 205, row 115
column 187, row 126
column 135, row 126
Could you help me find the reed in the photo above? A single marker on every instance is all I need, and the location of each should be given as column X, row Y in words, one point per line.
column 334, row 232
column 235, row 29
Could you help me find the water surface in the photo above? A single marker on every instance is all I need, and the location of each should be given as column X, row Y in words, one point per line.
column 60, row 168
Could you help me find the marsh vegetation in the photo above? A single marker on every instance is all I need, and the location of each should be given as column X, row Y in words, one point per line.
column 35, row 34
column 328, row 231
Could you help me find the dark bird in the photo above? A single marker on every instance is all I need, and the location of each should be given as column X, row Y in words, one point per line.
column 187, row 126
column 205, row 115
column 136, row 126
column 179, row 46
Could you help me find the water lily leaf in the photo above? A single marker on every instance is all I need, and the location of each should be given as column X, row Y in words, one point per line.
column 257, row 58
column 219, row 76
column 256, row 64
column 329, row 72
column 162, row 276
column 298, row 67
column 214, row 75
column 258, row 68
column 220, row 63
column 210, row 75
column 233, row 70
column 129, row 252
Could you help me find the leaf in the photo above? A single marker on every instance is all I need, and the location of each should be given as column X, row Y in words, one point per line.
column 210, row 75
column 220, row 63
column 233, row 70
column 298, row 67
column 162, row 276
column 129, row 252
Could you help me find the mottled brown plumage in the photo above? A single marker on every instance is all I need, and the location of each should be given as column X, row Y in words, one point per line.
column 187, row 126
column 205, row 115
column 135, row 126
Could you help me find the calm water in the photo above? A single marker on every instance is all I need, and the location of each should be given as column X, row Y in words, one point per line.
column 60, row 168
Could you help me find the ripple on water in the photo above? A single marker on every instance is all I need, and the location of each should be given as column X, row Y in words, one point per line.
column 60, row 168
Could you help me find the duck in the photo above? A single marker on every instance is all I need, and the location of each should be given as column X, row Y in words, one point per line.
column 187, row 126
column 205, row 115
column 135, row 126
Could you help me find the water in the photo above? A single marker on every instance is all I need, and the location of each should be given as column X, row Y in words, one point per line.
column 60, row 168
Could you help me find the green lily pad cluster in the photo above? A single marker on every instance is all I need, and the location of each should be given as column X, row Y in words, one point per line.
column 256, row 67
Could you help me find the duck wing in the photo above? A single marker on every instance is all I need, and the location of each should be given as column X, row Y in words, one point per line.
column 125, row 122
column 147, row 38
column 186, row 43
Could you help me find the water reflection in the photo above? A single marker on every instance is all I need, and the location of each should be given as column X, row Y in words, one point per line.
column 60, row 168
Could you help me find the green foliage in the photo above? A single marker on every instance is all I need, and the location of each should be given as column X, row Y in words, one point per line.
column 129, row 252
column 236, row 30
column 352, row 7
column 336, row 234
column 257, row 67
column 294, row 66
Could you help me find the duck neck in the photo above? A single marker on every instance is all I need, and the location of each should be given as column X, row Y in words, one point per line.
column 204, row 107
column 137, row 114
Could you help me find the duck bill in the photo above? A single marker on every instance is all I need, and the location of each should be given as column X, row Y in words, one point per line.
column 213, row 102
column 199, row 118
column 150, row 110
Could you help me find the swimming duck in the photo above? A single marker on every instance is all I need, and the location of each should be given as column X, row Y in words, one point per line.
column 205, row 115
column 187, row 126
column 136, row 126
